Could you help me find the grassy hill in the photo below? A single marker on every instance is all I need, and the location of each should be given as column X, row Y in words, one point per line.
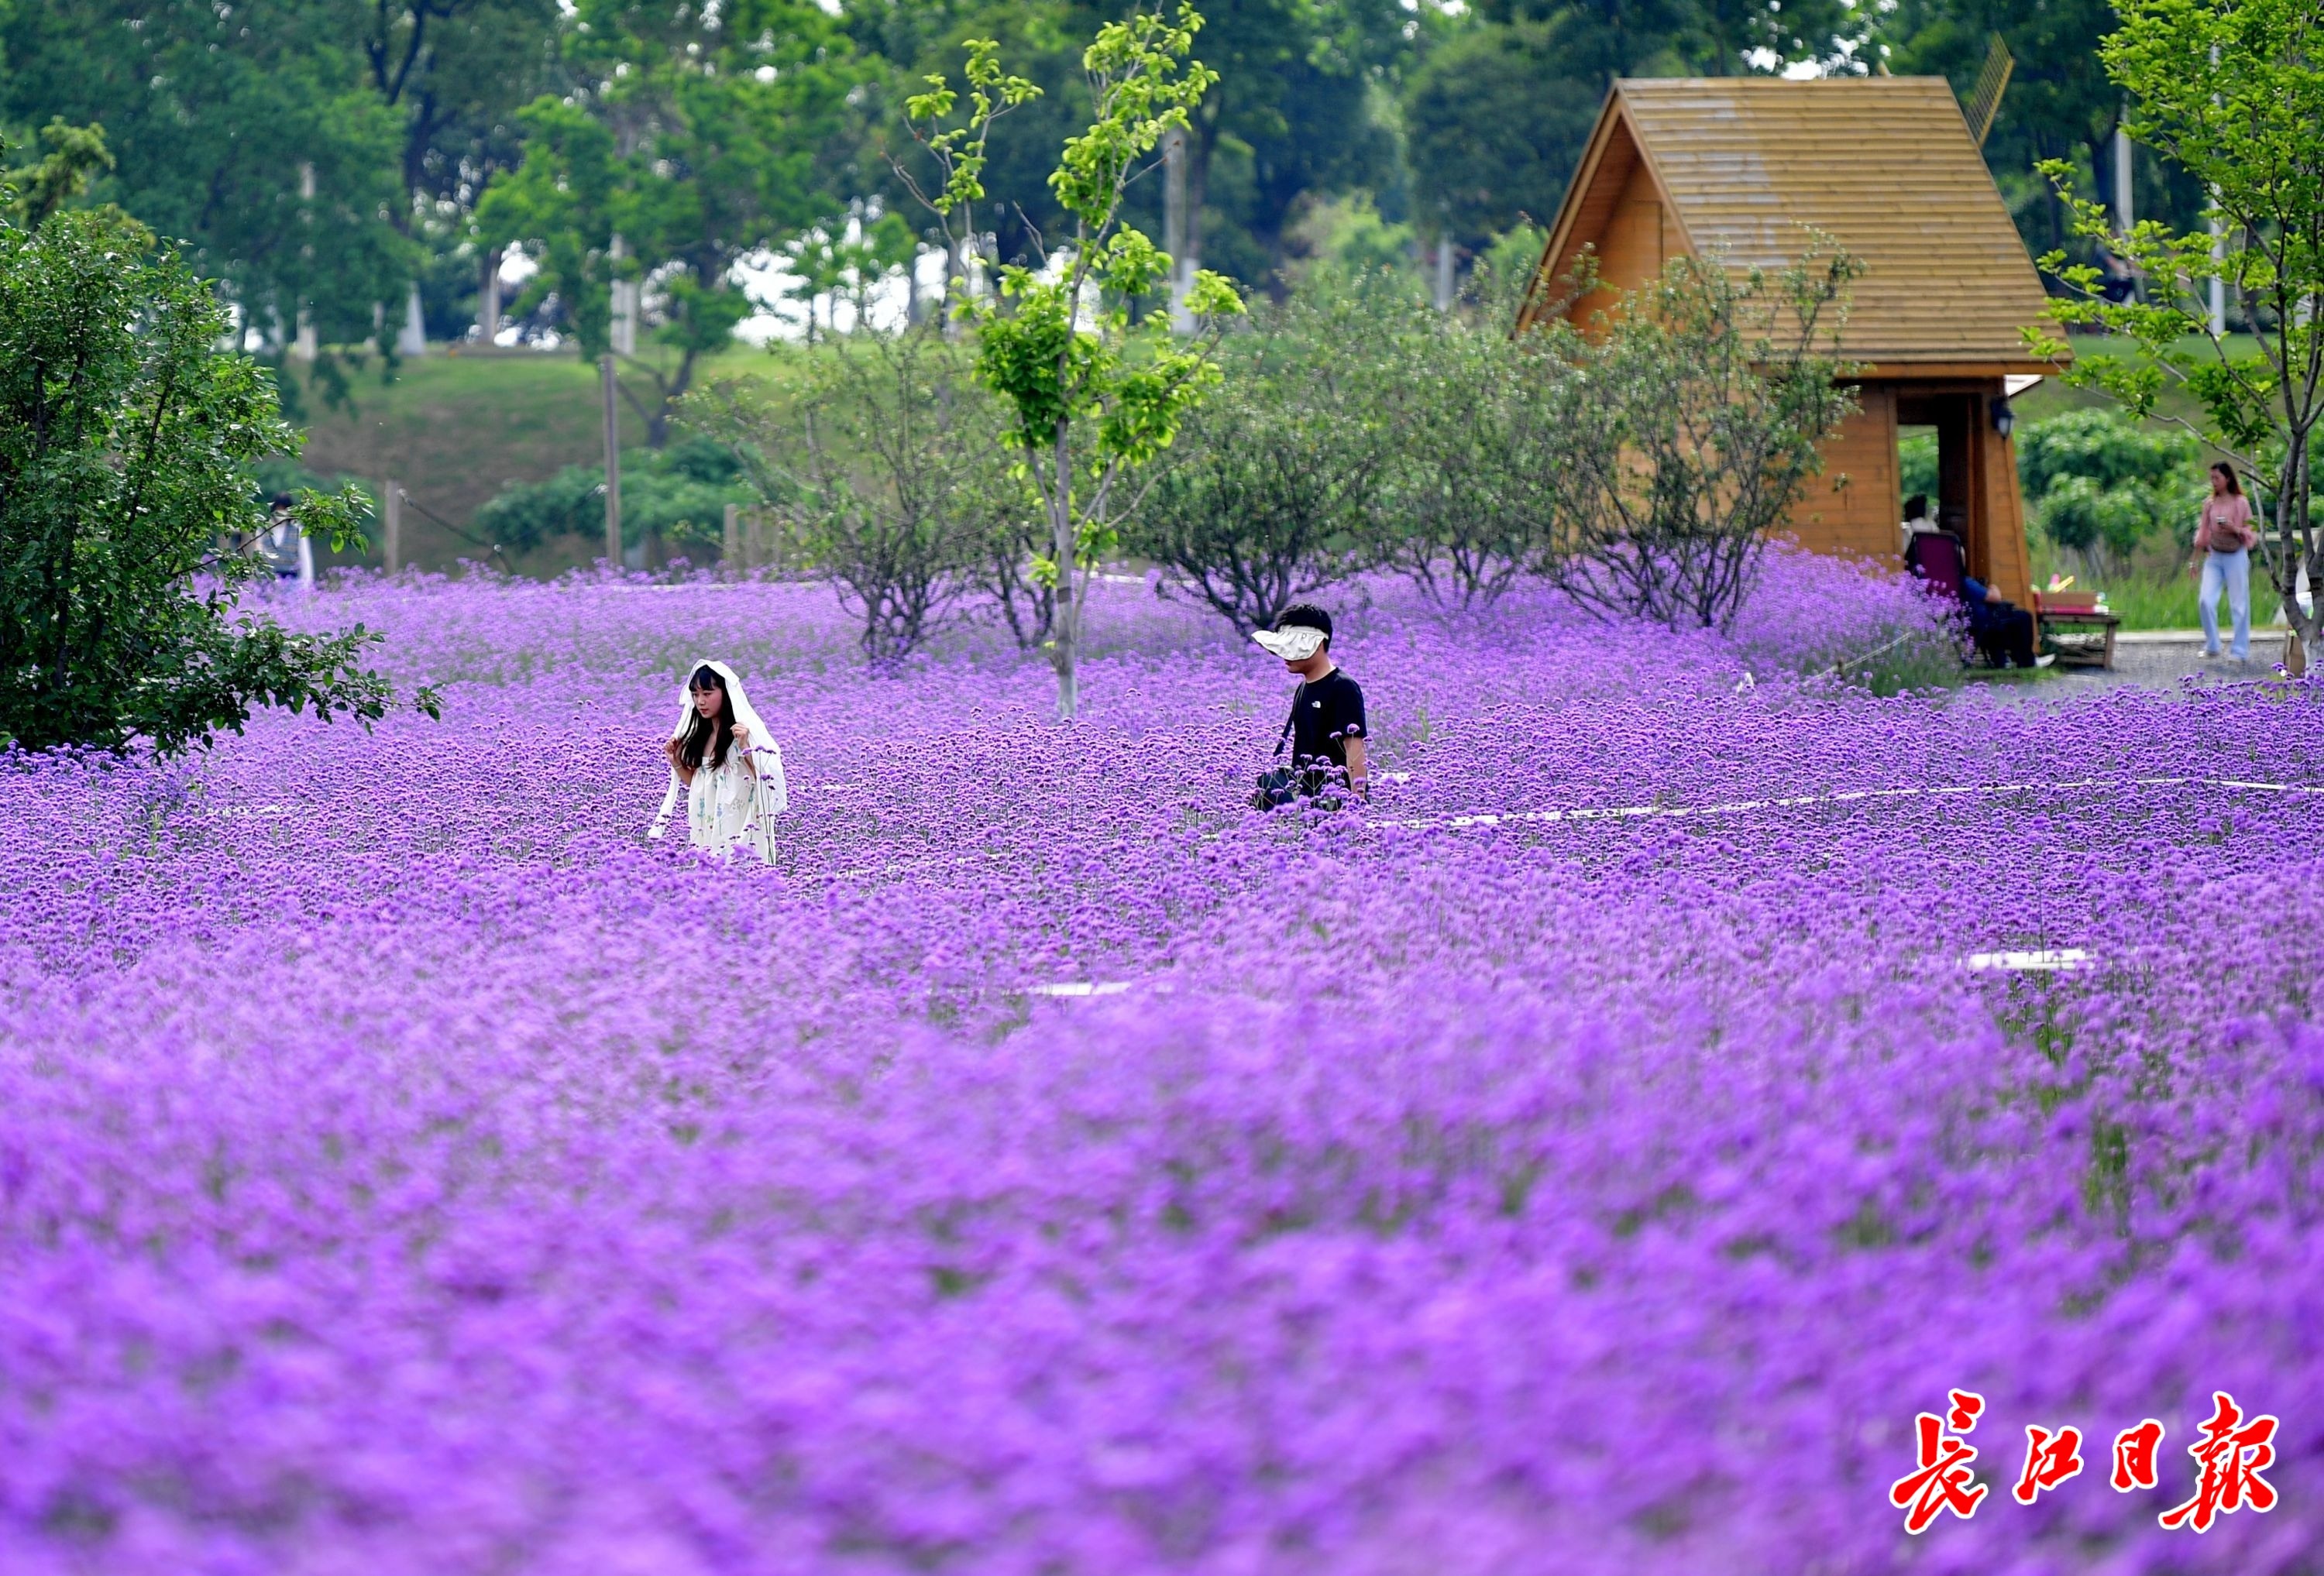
column 454, row 428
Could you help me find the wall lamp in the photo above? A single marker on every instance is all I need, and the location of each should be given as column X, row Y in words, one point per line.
column 2004, row 418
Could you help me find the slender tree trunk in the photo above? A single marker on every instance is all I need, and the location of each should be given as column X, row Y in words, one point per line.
column 1065, row 648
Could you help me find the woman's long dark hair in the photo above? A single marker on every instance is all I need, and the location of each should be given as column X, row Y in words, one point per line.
column 2234, row 488
column 705, row 733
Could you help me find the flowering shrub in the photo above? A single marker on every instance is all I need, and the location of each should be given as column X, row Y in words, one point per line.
column 404, row 1168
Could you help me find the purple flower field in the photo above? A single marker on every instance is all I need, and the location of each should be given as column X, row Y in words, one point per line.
column 408, row 1170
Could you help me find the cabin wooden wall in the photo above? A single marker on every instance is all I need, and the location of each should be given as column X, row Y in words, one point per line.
column 1640, row 237
column 2008, row 566
column 1853, row 507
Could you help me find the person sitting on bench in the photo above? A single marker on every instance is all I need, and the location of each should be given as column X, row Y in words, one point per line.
column 2002, row 630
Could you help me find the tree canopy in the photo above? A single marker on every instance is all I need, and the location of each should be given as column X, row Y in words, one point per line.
column 316, row 158
column 126, row 439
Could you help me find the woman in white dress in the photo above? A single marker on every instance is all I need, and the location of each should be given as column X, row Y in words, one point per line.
column 723, row 758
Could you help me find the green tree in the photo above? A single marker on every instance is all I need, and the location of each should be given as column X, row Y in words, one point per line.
column 456, row 73
column 699, row 136
column 1297, row 113
column 886, row 475
column 1478, row 485
column 216, row 114
column 1272, row 498
column 1495, row 119
column 1692, row 422
column 670, row 497
column 126, row 443
column 1291, row 106
column 1093, row 399
column 2245, row 129
column 2103, row 484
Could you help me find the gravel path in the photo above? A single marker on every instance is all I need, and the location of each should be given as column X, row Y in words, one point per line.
column 2156, row 658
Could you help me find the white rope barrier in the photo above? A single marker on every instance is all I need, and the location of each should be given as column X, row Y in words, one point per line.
column 1846, row 796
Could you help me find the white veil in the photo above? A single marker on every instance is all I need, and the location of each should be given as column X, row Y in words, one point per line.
column 769, row 796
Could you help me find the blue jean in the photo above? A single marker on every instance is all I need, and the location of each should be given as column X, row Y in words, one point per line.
column 2233, row 571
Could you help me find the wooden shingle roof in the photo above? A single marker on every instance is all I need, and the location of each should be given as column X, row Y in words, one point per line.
column 1747, row 166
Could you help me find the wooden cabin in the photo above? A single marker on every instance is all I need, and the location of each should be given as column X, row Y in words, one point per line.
column 1746, row 168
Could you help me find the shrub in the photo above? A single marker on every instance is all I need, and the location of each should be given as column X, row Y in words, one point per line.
column 675, row 494
column 1689, row 419
column 1269, row 498
column 128, row 439
column 2101, row 483
column 888, row 474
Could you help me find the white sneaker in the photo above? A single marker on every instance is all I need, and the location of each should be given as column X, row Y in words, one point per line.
column 2043, row 662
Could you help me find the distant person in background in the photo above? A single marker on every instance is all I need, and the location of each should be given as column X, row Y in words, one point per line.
column 1916, row 518
column 282, row 546
column 2002, row 630
column 728, row 766
column 1326, row 729
column 2223, row 539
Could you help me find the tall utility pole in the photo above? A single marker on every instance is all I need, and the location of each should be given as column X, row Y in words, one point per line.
column 612, row 462
column 1173, row 227
column 488, row 299
column 628, row 294
column 2218, row 235
column 304, row 345
column 2124, row 217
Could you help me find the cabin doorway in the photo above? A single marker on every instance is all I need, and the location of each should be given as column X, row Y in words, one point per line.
column 1951, row 423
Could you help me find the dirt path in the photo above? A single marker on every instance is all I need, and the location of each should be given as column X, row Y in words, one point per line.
column 2158, row 659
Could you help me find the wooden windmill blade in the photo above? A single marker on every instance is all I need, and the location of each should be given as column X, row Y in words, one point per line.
column 1984, row 105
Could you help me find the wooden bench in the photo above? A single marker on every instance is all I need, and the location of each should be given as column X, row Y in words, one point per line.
column 2089, row 630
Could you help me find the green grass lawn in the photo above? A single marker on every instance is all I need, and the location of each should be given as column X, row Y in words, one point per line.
column 455, row 429
column 2169, row 604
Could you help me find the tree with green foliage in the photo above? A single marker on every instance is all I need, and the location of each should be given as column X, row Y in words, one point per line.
column 1290, row 101
column 455, row 73
column 1694, row 413
column 2102, row 484
column 1477, row 493
column 1094, row 399
column 2244, row 124
column 1301, row 109
column 217, row 114
column 1495, row 119
column 886, row 475
column 672, row 497
column 1271, row 499
column 126, row 443
column 698, row 136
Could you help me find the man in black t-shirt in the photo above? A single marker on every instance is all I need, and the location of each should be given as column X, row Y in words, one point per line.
column 1327, row 713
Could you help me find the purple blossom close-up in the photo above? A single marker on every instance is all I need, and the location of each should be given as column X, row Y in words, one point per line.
column 1588, row 1155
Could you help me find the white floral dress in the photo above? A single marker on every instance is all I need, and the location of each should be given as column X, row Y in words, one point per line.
column 721, row 801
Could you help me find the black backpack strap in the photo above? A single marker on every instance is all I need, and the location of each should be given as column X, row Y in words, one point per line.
column 1292, row 721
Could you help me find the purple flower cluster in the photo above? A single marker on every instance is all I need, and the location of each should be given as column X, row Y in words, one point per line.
column 406, row 1169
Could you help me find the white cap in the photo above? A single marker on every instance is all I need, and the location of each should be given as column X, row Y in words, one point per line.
column 1295, row 644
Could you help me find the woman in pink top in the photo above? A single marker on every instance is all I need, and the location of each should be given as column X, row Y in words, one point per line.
column 2223, row 545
